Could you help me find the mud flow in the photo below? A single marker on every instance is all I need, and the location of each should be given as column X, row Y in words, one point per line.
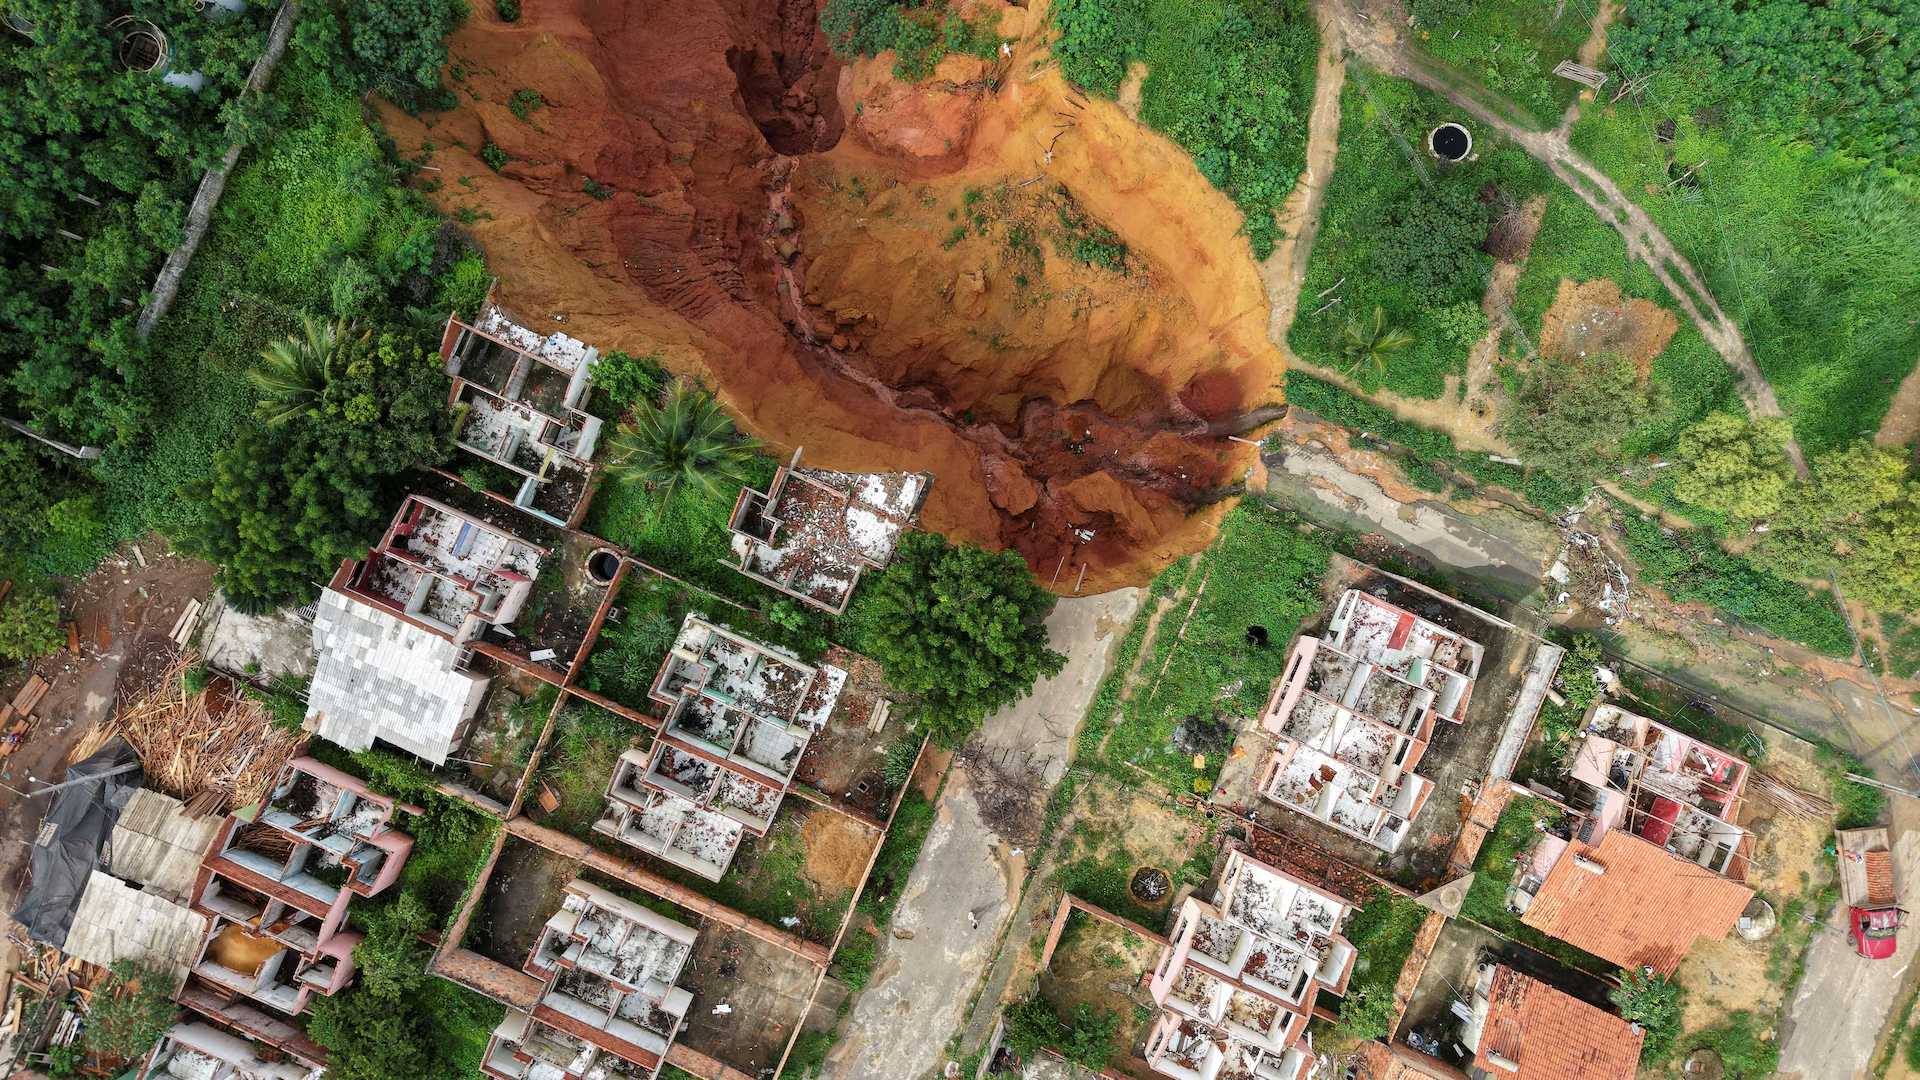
column 984, row 274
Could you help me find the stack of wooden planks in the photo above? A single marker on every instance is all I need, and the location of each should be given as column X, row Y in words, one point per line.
column 216, row 750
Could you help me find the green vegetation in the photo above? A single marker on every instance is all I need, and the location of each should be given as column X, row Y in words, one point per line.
column 958, row 628
column 896, row 769
column 1817, row 257
column 1493, row 869
column 1858, row 515
column 898, row 853
column 1837, row 77
column 1734, row 466
column 1572, row 415
column 586, row 746
column 1747, row 1050
column 1900, row 642
column 1085, row 1040
column 1370, row 346
column 1231, row 81
column 1400, row 234
column 29, row 625
column 686, row 442
column 1382, row 932
column 624, row 381
column 1366, row 1013
column 855, row 958
column 1688, row 565
column 1510, row 47
column 1206, row 667
column 920, row 33
column 1653, row 1002
column 1428, row 447
column 1859, row 805
column 129, row 1012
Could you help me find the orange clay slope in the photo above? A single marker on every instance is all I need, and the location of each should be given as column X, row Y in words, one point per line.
column 880, row 272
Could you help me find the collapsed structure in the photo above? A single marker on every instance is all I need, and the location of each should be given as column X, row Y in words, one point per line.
column 739, row 716
column 395, row 630
column 813, row 532
column 275, row 889
column 519, row 402
column 1652, row 858
column 607, row 1006
column 1354, row 712
column 1237, row 979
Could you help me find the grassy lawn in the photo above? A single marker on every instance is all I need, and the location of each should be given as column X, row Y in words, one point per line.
column 687, row 539
column 1203, row 672
column 1818, row 261
column 1376, row 182
column 1493, row 873
column 1510, row 47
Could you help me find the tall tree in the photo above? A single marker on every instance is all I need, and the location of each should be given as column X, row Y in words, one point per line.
column 687, row 441
column 958, row 629
column 1736, row 466
column 1574, row 411
column 294, row 372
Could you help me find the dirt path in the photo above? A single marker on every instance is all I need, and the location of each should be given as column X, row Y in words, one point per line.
column 1286, row 268
column 1902, row 423
column 1645, row 242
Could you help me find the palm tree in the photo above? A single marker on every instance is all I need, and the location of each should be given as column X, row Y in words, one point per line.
column 294, row 373
column 686, row 441
column 1372, row 346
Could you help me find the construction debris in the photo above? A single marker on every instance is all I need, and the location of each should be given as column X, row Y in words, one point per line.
column 215, row 750
column 1791, row 800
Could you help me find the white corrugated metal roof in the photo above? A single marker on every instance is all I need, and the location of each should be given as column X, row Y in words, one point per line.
column 382, row 677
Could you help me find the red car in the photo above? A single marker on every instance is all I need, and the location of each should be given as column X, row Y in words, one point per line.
column 1875, row 930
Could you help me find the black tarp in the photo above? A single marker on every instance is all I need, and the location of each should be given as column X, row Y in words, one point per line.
column 67, row 848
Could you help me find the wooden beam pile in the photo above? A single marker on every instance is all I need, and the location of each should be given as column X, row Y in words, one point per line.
column 216, row 750
column 1791, row 800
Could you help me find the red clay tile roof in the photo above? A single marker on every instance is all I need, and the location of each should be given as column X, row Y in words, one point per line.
column 1551, row 1035
column 1644, row 911
column 1879, row 867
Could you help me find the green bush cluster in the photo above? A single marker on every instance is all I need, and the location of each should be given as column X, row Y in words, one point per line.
column 1403, row 234
column 920, row 33
column 1653, row 1002
column 1086, row 1039
column 1688, row 565
column 130, row 1012
column 1837, row 77
column 1231, row 81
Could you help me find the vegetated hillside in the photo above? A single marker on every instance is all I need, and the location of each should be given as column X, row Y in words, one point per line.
column 1047, row 314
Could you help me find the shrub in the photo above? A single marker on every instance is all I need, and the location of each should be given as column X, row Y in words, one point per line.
column 402, row 41
column 1430, row 242
column 1033, row 1025
column 1734, row 465
column 1572, row 414
column 1744, row 1054
column 1653, row 1002
column 1579, row 673
column 495, row 157
column 896, row 769
column 464, row 287
column 29, row 626
column 1366, row 1014
column 630, row 380
column 129, row 1013
column 523, row 103
column 856, row 957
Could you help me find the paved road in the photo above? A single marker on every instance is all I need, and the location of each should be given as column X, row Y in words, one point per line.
column 968, row 881
column 1842, row 1004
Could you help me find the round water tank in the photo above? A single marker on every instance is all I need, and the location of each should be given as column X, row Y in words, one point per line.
column 602, row 565
column 1450, row 142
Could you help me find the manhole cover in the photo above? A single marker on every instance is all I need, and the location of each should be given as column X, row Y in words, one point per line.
column 1150, row 884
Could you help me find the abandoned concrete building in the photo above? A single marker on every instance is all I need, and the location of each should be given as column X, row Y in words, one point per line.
column 394, row 630
column 219, row 1047
column 1353, row 715
column 519, row 402
column 1521, row 1028
column 1651, row 859
column 813, row 532
column 607, row 1006
column 739, row 717
column 1237, row 979
column 275, row 889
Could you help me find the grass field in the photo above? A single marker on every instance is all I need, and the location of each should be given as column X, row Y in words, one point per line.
column 1379, row 177
column 1202, row 671
column 1817, row 260
column 1510, row 47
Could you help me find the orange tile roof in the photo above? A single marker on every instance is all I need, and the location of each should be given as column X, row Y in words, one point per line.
column 1551, row 1035
column 1644, row 911
column 1879, row 867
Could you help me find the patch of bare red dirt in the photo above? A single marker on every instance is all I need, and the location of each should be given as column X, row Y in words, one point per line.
column 778, row 223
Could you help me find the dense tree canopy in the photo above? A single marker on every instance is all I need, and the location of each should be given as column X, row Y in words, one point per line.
column 1735, row 466
column 1431, row 243
column 1573, row 412
column 959, row 629
column 1859, row 515
column 1841, row 74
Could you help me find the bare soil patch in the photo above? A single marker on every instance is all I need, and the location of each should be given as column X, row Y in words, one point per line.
column 1591, row 317
column 837, row 849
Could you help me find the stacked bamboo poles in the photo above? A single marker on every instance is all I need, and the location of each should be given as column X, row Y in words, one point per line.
column 216, row 750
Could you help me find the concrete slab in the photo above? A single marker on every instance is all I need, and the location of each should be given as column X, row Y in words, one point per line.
column 280, row 642
column 968, row 881
column 1842, row 1003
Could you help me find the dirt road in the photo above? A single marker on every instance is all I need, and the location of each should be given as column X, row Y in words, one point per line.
column 1374, row 42
column 968, row 880
column 1284, row 271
